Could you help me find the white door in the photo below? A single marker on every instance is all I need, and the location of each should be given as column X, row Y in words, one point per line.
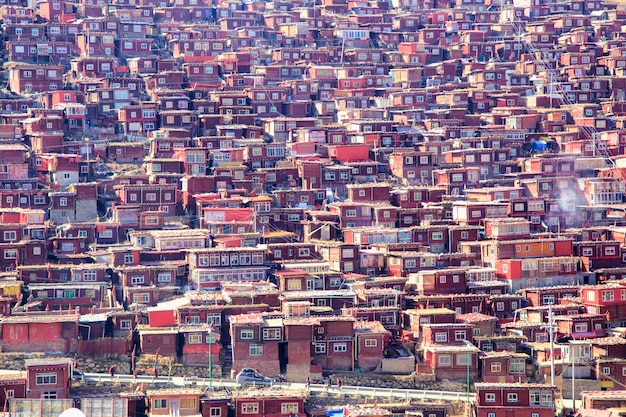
column 174, row 407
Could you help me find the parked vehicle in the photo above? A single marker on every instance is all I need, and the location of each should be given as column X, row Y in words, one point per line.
column 250, row 377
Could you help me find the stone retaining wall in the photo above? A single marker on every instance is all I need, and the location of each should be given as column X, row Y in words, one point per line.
column 168, row 366
column 414, row 381
column 91, row 364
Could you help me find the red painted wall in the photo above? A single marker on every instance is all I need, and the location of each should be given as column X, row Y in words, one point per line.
column 162, row 318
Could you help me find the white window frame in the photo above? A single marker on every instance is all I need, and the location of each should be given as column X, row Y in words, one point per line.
column 341, row 347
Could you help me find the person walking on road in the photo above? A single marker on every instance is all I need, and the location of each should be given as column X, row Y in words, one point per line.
column 339, row 383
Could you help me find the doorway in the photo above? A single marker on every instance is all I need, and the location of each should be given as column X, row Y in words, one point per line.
column 282, row 357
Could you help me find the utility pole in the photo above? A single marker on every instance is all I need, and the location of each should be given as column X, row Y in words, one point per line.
column 469, row 362
column 551, row 345
column 211, row 358
column 573, row 378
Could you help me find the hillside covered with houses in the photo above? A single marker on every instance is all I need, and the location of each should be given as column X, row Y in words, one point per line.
column 313, row 189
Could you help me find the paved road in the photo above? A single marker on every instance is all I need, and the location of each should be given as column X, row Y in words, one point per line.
column 407, row 394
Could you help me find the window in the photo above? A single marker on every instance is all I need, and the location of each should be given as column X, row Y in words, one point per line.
column 129, row 258
column 141, row 298
column 49, row 395
column 106, row 234
column 443, row 360
column 256, row 350
column 607, row 295
column 496, row 367
column 462, row 358
column 188, row 403
column 159, row 403
column 321, row 348
column 46, row 379
column 580, row 327
column 195, row 339
column 340, row 347
column 164, row 277
column 517, row 366
column 216, row 412
column 606, row 370
column 546, row 398
column 459, row 335
column 534, row 398
column 294, row 284
column 90, row 276
column 136, row 279
column 289, row 408
column 125, row 324
column 10, row 254
column 490, row 397
column 350, row 213
column 441, row 337
column 272, row 334
column 512, row 397
column 246, row 334
column 10, row 235
column 371, row 342
column 250, row 408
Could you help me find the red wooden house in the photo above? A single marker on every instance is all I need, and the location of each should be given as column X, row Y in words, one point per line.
column 73, row 294
column 450, row 361
column 12, row 385
column 599, row 254
column 581, row 325
column 263, row 402
column 138, row 119
column 443, row 281
column 504, row 366
column 255, row 341
column 444, row 334
column 415, row 318
column 35, row 78
column 174, row 401
column 150, row 197
column 48, row 378
column 371, row 341
column 503, row 399
column 334, row 343
column 40, row 333
column 543, row 296
column 201, row 344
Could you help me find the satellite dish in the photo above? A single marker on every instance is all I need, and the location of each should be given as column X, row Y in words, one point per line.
column 72, row 412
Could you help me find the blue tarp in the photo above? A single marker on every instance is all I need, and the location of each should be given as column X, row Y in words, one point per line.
column 539, row 145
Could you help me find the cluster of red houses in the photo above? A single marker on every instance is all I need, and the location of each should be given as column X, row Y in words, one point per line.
column 305, row 188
